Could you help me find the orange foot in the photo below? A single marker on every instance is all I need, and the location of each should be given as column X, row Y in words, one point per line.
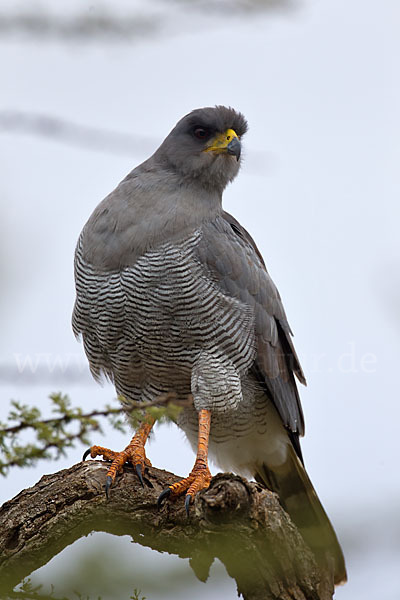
column 198, row 479
column 200, row 475
column 134, row 454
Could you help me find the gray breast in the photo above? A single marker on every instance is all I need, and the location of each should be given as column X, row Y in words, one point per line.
column 145, row 325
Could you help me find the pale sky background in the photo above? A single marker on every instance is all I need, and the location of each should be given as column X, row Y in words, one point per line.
column 318, row 191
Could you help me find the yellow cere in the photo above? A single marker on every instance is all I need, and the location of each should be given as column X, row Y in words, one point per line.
column 221, row 141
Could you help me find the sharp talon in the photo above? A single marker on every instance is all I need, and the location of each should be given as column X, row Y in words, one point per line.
column 148, row 482
column 108, row 485
column 86, row 454
column 162, row 497
column 139, row 473
column 187, row 503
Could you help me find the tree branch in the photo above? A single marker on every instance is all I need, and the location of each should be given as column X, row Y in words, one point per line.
column 79, row 415
column 236, row 521
column 59, row 432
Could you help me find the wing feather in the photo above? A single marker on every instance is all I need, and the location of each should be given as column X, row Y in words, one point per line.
column 231, row 257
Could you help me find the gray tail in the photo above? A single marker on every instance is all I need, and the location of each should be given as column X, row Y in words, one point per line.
column 298, row 497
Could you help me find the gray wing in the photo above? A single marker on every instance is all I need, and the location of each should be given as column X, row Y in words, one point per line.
column 233, row 260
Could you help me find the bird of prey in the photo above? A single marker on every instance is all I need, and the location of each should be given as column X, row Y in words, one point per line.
column 172, row 295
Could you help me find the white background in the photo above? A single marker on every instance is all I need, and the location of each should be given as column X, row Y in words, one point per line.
column 318, row 191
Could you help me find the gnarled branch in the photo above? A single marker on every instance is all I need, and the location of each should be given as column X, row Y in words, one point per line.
column 234, row 520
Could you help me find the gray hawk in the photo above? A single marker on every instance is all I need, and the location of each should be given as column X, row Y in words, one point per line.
column 172, row 295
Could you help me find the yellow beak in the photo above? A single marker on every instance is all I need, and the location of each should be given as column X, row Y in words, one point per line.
column 227, row 142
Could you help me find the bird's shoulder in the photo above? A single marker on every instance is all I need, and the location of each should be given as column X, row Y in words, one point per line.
column 230, row 253
column 151, row 206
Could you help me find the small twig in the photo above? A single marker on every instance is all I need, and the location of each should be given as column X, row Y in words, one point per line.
column 162, row 400
column 71, row 425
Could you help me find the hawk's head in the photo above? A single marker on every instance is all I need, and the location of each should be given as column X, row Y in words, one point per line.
column 205, row 147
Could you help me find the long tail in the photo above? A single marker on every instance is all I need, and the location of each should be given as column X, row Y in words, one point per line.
column 298, row 497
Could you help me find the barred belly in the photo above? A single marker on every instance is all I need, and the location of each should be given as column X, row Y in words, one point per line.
column 145, row 326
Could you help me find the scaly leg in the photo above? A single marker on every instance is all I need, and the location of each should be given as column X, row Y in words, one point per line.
column 134, row 453
column 200, row 475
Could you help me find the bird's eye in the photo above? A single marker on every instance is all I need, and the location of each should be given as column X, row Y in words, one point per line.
column 201, row 133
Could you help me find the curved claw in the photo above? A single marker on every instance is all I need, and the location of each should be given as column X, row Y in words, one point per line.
column 86, row 454
column 187, row 503
column 108, row 485
column 164, row 494
column 139, row 474
column 148, row 482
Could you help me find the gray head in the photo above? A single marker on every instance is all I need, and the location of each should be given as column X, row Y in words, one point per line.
column 204, row 147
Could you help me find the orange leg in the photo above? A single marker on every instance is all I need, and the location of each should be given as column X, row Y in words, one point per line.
column 200, row 476
column 134, row 453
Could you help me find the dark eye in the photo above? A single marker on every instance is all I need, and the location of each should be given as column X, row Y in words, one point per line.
column 201, row 133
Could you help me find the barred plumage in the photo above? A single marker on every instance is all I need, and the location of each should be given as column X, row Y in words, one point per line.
column 151, row 321
column 172, row 295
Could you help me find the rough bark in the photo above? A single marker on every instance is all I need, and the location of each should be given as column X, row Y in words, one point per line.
column 234, row 520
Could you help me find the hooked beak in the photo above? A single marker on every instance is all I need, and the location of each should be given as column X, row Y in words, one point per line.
column 227, row 142
column 234, row 147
